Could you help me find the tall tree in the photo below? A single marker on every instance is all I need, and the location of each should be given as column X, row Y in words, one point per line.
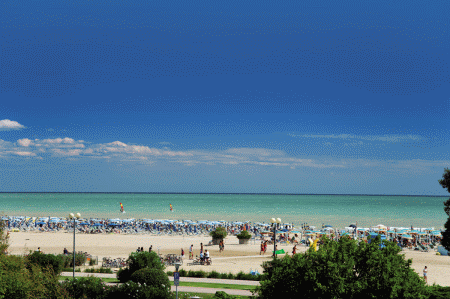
column 3, row 237
column 445, row 183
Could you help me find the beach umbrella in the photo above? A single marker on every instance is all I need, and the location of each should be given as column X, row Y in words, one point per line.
column 84, row 223
column 97, row 224
column 295, row 232
column 328, row 225
column 352, row 225
column 406, row 236
column 41, row 223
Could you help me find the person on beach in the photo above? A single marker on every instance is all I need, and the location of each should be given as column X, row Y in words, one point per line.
column 39, row 249
column 265, row 247
column 206, row 258
column 150, row 248
column 191, row 252
column 201, row 248
column 294, row 250
column 425, row 273
column 223, row 245
column 66, row 252
column 182, row 253
column 262, row 248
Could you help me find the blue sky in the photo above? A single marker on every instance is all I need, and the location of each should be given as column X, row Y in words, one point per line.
column 163, row 97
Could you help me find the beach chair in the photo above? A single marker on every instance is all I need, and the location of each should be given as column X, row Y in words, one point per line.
column 423, row 248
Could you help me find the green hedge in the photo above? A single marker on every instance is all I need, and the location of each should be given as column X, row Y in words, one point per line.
column 213, row 274
column 99, row 270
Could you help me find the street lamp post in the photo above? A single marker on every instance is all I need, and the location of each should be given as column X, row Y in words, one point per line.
column 176, row 277
column 74, row 217
column 275, row 224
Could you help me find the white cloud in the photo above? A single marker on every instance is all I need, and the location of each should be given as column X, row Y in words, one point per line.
column 24, row 142
column 6, row 124
column 25, row 154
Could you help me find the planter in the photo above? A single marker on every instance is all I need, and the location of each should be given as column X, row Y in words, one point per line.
column 244, row 241
column 216, row 241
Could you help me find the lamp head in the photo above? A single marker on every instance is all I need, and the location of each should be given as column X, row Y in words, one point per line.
column 78, row 215
column 273, row 220
column 278, row 220
column 177, row 266
column 71, row 215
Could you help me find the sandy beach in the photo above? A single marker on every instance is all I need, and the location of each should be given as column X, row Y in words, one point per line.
column 235, row 257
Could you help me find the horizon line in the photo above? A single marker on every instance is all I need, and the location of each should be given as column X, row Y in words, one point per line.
column 219, row 193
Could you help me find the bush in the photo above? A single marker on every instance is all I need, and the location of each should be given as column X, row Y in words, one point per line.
column 182, row 272
column 71, row 270
column 213, row 274
column 19, row 280
column 80, row 259
column 244, row 235
column 132, row 289
column 99, row 270
column 223, row 295
column 49, row 262
column 153, row 278
column 137, row 261
column 343, row 269
column 219, row 233
column 438, row 292
column 123, row 275
column 85, row 287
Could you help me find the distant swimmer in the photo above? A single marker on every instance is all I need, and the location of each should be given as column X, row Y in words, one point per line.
column 171, row 208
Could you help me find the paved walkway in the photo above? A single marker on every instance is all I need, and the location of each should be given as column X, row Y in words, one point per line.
column 186, row 279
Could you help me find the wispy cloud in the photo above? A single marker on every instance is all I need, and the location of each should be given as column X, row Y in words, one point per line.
column 120, row 152
column 384, row 138
column 6, row 125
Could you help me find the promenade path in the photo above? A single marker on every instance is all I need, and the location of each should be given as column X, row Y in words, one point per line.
column 187, row 279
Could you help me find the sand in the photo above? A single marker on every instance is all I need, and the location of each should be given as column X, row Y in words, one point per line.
column 235, row 257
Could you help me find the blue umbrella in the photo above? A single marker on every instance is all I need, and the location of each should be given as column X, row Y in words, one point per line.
column 114, row 224
column 98, row 224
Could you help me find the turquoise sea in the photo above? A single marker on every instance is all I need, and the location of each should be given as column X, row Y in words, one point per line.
column 336, row 210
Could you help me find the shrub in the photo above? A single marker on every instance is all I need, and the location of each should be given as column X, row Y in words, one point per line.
column 137, row 261
column 230, row 276
column 152, row 277
column 132, row 289
column 99, row 270
column 213, row 274
column 123, row 275
column 223, row 295
column 170, row 273
column 3, row 238
column 85, row 287
column 343, row 269
column 80, row 259
column 71, row 270
column 223, row 276
column 438, row 292
column 182, row 272
column 19, row 280
column 219, row 233
column 49, row 262
column 200, row 274
column 244, row 235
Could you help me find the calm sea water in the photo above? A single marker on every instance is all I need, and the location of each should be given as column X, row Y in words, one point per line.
column 336, row 210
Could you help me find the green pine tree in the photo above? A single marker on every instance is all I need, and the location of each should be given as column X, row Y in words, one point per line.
column 445, row 183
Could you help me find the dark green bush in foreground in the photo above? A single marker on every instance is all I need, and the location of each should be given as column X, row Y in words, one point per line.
column 85, row 287
column 22, row 281
column 343, row 269
column 49, row 262
column 155, row 279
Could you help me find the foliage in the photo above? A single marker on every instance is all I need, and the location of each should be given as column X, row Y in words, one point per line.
column 223, row 295
column 445, row 183
column 132, row 289
column 50, row 262
column 98, row 270
column 154, row 278
column 85, row 287
column 244, row 235
column 213, row 274
column 438, row 292
column 80, row 259
column 19, row 281
column 219, row 233
column 3, row 238
column 71, row 270
column 343, row 269
column 137, row 261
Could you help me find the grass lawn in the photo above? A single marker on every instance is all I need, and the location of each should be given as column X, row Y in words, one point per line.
column 189, row 284
column 204, row 296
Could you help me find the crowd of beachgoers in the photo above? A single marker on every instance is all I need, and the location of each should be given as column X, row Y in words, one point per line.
column 405, row 236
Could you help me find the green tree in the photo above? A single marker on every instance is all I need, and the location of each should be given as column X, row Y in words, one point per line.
column 137, row 261
column 445, row 183
column 3, row 238
column 343, row 269
column 155, row 281
column 219, row 233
